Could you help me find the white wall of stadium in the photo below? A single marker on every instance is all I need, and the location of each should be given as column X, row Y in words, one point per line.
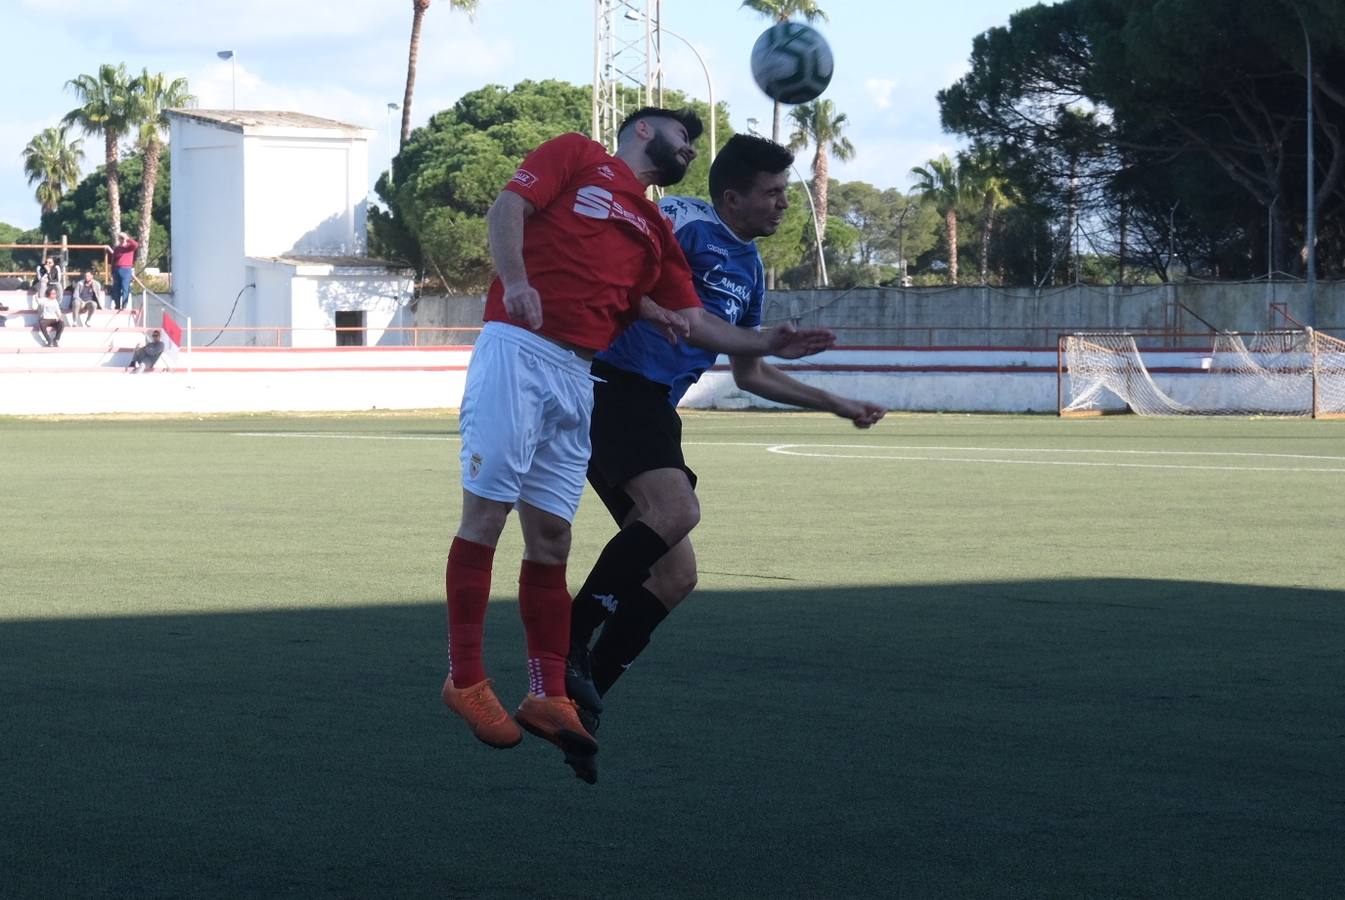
column 224, row 380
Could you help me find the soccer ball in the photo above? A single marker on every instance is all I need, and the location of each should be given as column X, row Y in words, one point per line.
column 791, row 62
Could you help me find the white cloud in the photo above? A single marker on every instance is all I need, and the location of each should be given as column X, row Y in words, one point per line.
column 880, row 91
column 887, row 161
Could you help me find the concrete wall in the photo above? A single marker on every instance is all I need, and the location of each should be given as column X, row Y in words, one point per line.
column 1012, row 317
column 207, row 210
column 1025, row 317
column 302, row 196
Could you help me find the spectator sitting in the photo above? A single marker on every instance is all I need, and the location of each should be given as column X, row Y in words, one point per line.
column 88, row 297
column 49, row 274
column 147, row 355
column 49, row 318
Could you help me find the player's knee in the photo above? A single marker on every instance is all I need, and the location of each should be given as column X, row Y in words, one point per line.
column 683, row 515
column 548, row 541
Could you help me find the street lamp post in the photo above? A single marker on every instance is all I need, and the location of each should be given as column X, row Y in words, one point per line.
column 633, row 16
column 233, row 76
column 817, row 231
column 391, row 108
column 1312, row 179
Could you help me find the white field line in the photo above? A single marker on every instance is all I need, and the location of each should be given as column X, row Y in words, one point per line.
column 789, row 450
column 882, row 452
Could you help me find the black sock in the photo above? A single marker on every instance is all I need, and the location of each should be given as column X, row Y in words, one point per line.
column 622, row 566
column 625, row 635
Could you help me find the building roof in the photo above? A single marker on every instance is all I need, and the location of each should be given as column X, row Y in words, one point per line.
column 262, row 121
column 330, row 264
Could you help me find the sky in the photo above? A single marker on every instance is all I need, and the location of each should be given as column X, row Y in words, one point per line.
column 346, row 60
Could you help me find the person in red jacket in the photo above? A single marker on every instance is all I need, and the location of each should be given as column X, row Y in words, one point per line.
column 123, row 267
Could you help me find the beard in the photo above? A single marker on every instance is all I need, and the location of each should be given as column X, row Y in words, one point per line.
column 669, row 165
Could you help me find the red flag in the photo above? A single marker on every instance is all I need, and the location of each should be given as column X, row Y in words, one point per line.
column 172, row 329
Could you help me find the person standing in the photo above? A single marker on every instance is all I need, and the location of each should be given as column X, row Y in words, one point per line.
column 123, row 268
column 581, row 253
column 637, row 467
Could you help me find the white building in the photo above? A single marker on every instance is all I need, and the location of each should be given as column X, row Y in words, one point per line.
column 269, row 214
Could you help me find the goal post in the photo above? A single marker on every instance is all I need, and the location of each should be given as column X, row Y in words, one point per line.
column 1328, row 376
column 1263, row 373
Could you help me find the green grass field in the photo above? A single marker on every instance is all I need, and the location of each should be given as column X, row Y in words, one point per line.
column 955, row 656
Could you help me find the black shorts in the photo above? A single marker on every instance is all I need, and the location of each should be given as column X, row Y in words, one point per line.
column 634, row 430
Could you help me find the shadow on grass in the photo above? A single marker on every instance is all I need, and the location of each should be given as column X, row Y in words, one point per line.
column 1024, row 739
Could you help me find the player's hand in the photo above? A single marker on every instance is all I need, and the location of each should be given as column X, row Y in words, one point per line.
column 860, row 412
column 671, row 325
column 523, row 304
column 787, row 342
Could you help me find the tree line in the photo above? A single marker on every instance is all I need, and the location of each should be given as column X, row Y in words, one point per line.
column 1107, row 141
column 122, row 110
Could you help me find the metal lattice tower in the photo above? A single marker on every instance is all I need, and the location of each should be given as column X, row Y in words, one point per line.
column 627, row 63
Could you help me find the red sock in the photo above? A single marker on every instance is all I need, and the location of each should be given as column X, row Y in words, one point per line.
column 467, row 584
column 544, row 604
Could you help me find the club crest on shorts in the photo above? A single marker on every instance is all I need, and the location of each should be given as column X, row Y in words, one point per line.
column 474, row 465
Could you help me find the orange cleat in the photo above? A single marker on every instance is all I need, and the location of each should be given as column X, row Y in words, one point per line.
column 556, row 719
column 483, row 713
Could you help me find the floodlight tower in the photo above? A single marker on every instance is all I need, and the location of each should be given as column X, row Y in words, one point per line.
column 626, row 54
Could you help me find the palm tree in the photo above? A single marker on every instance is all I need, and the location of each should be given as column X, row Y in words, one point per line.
column 937, row 182
column 107, row 108
column 154, row 96
column 818, row 124
column 984, row 182
column 52, row 160
column 418, row 8
column 783, row 11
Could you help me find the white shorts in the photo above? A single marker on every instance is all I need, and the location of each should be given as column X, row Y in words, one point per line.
column 524, row 421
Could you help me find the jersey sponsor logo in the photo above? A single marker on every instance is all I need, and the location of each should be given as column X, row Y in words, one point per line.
column 734, row 309
column 715, row 248
column 593, row 202
column 635, row 219
column 524, row 177
column 716, row 279
column 597, row 203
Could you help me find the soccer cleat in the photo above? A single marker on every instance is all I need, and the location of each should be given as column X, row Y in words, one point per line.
column 579, row 678
column 589, row 720
column 556, row 719
column 585, row 766
column 479, row 706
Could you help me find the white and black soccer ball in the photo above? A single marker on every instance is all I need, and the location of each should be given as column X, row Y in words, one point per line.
column 791, row 62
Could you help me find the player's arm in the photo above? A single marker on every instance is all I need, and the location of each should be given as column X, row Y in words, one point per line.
column 709, row 332
column 765, row 380
column 504, row 223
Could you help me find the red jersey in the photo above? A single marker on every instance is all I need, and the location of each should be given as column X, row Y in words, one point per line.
column 123, row 255
column 594, row 246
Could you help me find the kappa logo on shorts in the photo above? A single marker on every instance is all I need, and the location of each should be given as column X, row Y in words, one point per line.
column 474, row 465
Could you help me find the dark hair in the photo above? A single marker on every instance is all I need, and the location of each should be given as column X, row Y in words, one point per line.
column 741, row 159
column 690, row 121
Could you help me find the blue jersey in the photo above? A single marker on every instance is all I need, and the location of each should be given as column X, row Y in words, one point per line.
column 728, row 276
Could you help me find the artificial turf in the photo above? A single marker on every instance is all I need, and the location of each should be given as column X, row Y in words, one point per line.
column 953, row 656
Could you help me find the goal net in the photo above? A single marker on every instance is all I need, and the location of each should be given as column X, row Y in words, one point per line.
column 1264, row 373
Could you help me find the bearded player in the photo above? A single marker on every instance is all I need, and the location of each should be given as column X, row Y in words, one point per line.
column 577, row 245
